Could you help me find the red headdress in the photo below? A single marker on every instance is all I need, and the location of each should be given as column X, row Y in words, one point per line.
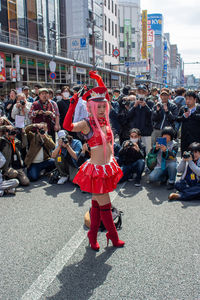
column 96, row 94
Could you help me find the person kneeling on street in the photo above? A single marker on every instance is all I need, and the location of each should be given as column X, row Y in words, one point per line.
column 6, row 186
column 166, row 149
column 131, row 157
column 66, row 156
column 11, row 149
column 189, row 185
column 38, row 157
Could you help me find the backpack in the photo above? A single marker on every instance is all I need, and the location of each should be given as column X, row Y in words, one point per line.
column 117, row 218
column 151, row 160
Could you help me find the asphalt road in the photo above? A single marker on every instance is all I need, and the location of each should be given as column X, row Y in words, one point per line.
column 44, row 251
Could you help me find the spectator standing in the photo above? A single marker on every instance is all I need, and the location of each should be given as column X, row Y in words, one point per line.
column 163, row 114
column 63, row 104
column 43, row 111
column 10, row 103
column 189, row 117
column 25, row 90
column 21, row 108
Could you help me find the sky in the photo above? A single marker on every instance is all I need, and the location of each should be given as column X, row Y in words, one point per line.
column 182, row 21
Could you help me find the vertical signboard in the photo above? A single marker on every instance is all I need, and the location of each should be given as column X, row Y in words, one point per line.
column 144, row 34
column 165, row 63
column 155, row 22
column 127, row 35
column 2, row 67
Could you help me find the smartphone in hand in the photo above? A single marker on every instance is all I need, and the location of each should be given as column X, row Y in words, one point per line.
column 161, row 141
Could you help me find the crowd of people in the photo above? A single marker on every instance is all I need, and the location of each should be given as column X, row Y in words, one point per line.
column 147, row 124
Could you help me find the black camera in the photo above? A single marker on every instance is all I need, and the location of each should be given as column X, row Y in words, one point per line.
column 42, row 131
column 187, row 154
column 185, row 109
column 12, row 132
column 22, row 102
column 65, row 140
column 130, row 144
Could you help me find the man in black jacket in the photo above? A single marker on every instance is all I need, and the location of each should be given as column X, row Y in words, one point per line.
column 189, row 116
column 140, row 115
column 131, row 156
column 164, row 114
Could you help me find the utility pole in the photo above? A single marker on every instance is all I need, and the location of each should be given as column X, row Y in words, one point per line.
column 93, row 37
column 128, row 58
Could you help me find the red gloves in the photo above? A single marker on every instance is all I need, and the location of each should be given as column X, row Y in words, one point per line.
column 98, row 78
column 67, row 124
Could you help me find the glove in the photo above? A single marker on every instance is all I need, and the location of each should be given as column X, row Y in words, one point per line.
column 67, row 124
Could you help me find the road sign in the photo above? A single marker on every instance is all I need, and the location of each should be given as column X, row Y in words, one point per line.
column 78, row 44
column 52, row 75
column 137, row 64
column 116, row 52
column 52, row 66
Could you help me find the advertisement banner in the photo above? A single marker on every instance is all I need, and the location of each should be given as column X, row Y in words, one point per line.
column 127, row 34
column 144, row 34
column 2, row 67
column 155, row 23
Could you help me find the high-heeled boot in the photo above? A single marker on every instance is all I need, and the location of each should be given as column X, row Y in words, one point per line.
column 107, row 219
column 94, row 225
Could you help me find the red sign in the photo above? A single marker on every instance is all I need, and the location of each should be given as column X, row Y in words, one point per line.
column 116, row 52
column 2, row 67
column 13, row 73
column 52, row 75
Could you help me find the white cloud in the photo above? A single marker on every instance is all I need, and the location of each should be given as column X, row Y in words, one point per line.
column 182, row 21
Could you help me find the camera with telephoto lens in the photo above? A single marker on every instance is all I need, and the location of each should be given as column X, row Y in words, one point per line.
column 185, row 109
column 65, row 140
column 187, row 154
column 130, row 144
column 42, row 131
column 22, row 102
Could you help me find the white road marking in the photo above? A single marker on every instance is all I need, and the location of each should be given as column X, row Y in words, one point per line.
column 39, row 287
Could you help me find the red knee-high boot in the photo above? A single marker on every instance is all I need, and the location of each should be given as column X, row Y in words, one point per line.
column 94, row 225
column 107, row 219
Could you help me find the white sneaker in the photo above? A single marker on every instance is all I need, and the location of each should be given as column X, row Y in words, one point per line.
column 63, row 179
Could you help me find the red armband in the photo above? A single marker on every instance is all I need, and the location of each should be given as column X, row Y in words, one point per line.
column 67, row 124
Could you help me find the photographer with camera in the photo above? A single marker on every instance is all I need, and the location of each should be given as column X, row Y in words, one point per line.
column 38, row 157
column 11, row 149
column 66, row 156
column 166, row 150
column 131, row 157
column 189, row 185
column 21, row 108
column 189, row 117
column 164, row 114
column 140, row 115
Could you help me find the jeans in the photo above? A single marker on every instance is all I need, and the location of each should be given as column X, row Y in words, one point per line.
column 34, row 170
column 135, row 167
column 161, row 175
column 187, row 192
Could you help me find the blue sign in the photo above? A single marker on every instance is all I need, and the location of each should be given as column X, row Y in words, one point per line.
column 155, row 22
column 83, row 42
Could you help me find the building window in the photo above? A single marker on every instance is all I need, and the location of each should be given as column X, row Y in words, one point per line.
column 115, row 10
column 109, row 48
column 112, row 7
column 106, row 49
column 105, row 23
column 108, row 4
column 133, row 45
column 133, row 30
column 108, row 25
column 121, row 29
column 116, row 30
column 112, row 48
column 112, row 28
column 122, row 44
column 105, row 2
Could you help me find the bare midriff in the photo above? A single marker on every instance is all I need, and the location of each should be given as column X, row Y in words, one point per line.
column 97, row 155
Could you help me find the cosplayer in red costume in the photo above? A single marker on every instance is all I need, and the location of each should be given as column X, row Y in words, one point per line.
column 101, row 173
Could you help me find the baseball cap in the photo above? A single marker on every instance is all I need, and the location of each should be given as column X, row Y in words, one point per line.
column 43, row 90
column 61, row 134
column 142, row 87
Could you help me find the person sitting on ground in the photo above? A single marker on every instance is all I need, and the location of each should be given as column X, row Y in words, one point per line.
column 66, row 155
column 189, row 185
column 11, row 149
column 6, row 186
column 38, row 156
column 166, row 150
column 131, row 157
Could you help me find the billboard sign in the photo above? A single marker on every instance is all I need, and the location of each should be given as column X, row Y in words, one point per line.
column 2, row 67
column 144, row 34
column 78, row 44
column 155, row 23
column 127, row 35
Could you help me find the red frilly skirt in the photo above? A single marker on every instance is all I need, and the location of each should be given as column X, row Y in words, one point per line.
column 98, row 179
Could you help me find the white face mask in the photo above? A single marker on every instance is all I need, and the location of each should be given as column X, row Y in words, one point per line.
column 59, row 97
column 140, row 96
column 66, row 94
column 134, row 140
